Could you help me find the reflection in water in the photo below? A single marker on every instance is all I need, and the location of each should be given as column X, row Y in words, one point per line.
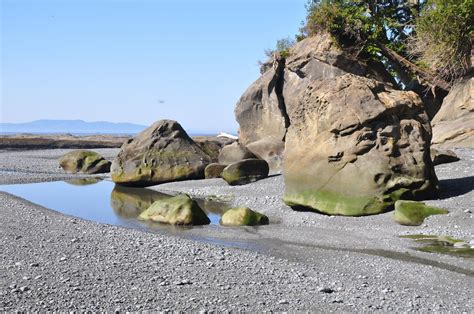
column 129, row 202
column 83, row 181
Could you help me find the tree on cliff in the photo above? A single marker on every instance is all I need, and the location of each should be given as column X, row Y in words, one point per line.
column 427, row 40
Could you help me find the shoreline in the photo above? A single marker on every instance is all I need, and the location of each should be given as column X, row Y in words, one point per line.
column 302, row 252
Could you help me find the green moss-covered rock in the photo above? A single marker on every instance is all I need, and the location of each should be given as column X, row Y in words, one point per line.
column 214, row 170
column 245, row 171
column 355, row 146
column 161, row 153
column 177, row 210
column 84, row 161
column 243, row 216
column 412, row 213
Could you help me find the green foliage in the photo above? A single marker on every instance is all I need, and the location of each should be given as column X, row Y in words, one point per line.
column 443, row 39
column 362, row 22
column 282, row 47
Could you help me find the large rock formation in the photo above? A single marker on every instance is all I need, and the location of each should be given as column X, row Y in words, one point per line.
column 453, row 125
column 355, row 146
column 161, row 153
column 352, row 143
column 84, row 161
column 262, row 110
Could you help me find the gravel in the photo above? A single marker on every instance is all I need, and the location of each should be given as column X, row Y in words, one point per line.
column 53, row 262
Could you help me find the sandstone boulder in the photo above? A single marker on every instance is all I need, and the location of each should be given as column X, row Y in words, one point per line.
column 84, row 161
column 453, row 125
column 262, row 111
column 161, row 153
column 269, row 149
column 440, row 156
column 245, row 171
column 177, row 210
column 233, row 153
column 355, row 146
column 243, row 216
column 214, row 170
column 212, row 146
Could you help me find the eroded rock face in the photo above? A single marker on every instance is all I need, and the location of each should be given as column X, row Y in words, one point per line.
column 84, row 161
column 355, row 146
column 262, row 110
column 161, row 153
column 453, row 125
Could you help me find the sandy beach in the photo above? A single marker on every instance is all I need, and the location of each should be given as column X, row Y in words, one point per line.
column 302, row 261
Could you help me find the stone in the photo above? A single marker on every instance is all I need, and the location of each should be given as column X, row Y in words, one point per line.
column 161, row 153
column 262, row 109
column 177, row 210
column 212, row 146
column 245, row 171
column 243, row 216
column 355, row 146
column 233, row 153
column 269, row 149
column 453, row 124
column 412, row 213
column 440, row 156
column 84, row 161
column 325, row 290
column 214, row 170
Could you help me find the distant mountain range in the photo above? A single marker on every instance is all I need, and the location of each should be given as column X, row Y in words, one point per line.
column 71, row 126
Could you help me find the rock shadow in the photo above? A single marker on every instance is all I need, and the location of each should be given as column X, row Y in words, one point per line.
column 455, row 187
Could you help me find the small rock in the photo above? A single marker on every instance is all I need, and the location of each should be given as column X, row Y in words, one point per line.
column 62, row 259
column 283, row 302
column 467, row 211
column 461, row 245
column 24, row 288
column 34, row 264
column 325, row 290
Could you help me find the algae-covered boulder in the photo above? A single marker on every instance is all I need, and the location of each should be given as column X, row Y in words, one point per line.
column 233, row 153
column 412, row 213
column 214, row 170
column 161, row 153
column 245, row 171
column 84, row 161
column 177, row 210
column 355, row 146
column 243, row 216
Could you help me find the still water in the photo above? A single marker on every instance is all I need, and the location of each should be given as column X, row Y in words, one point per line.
column 101, row 201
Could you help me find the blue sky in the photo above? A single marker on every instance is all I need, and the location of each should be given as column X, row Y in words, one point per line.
column 117, row 60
